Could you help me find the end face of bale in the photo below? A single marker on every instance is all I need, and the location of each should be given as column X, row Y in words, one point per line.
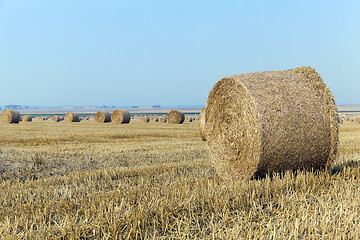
column 233, row 130
column 10, row 116
column 175, row 117
column 202, row 124
column 102, row 117
column 72, row 117
column 120, row 116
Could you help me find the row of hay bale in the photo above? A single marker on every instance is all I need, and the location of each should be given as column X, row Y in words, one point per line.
column 118, row 116
column 272, row 121
column 349, row 118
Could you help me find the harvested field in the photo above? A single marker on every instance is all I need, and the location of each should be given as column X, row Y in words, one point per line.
column 146, row 181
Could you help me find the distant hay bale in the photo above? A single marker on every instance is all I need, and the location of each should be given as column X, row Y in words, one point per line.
column 154, row 119
column 120, row 116
column 57, row 118
column 271, row 122
column 26, row 118
column 145, row 119
column 72, row 117
column 202, row 124
column 10, row 116
column 357, row 120
column 102, row 117
column 162, row 119
column 176, row 117
column 188, row 119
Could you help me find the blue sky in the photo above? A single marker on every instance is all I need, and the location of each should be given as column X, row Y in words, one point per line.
column 113, row 52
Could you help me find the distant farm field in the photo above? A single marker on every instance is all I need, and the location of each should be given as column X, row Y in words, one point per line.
column 155, row 180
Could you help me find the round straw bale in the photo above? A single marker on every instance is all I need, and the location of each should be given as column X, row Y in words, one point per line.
column 202, row 124
column 26, row 118
column 176, row 117
column 357, row 120
column 271, row 122
column 120, row 116
column 56, row 118
column 154, row 119
column 102, row 117
column 162, row 119
column 145, row 119
column 10, row 116
column 72, row 117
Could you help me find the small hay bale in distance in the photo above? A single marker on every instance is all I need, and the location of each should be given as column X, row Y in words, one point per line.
column 175, row 117
column 162, row 119
column 10, row 116
column 57, row 118
column 26, row 118
column 145, row 119
column 357, row 120
column 102, row 117
column 273, row 121
column 154, row 119
column 120, row 116
column 202, row 124
column 72, row 117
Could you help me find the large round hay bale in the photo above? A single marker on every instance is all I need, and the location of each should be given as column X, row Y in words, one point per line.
column 72, row 117
column 202, row 124
column 120, row 116
column 102, row 117
column 145, row 119
column 162, row 119
column 357, row 120
column 26, row 118
column 175, row 116
column 10, row 116
column 270, row 122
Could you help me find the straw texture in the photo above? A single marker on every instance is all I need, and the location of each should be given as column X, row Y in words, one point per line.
column 72, row 117
column 176, row 117
column 202, row 124
column 102, row 117
column 271, row 121
column 120, row 116
column 10, row 116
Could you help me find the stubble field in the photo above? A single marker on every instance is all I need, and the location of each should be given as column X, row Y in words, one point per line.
column 155, row 181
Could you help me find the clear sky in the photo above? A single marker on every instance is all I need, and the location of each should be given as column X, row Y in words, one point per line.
column 113, row 52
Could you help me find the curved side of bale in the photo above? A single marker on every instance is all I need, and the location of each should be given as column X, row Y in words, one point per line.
column 271, row 121
column 102, row 117
column 202, row 124
column 357, row 120
column 145, row 119
column 10, row 116
column 72, row 117
column 26, row 118
column 162, row 119
column 176, row 117
column 120, row 116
